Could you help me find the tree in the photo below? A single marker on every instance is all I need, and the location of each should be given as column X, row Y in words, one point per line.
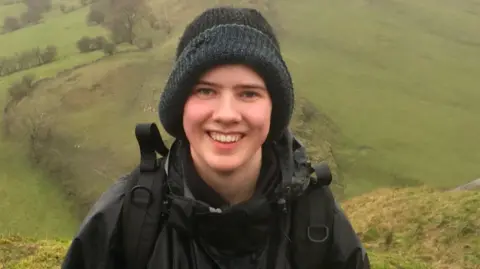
column 109, row 48
column 164, row 22
column 11, row 24
column 96, row 17
column 21, row 89
column 85, row 44
column 39, row 6
column 98, row 42
column 126, row 17
column 30, row 16
column 49, row 54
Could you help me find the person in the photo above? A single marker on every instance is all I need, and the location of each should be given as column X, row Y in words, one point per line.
column 232, row 201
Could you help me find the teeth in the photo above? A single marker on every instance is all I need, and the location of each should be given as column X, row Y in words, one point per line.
column 225, row 138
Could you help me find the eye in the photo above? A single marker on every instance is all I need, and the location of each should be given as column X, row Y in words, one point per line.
column 204, row 91
column 250, row 94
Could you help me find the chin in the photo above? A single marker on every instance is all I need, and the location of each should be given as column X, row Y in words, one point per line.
column 224, row 164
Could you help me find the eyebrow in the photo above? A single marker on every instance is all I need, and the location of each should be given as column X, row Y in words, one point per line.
column 207, row 83
column 242, row 85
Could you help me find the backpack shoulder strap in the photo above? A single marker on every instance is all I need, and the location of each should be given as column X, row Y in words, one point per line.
column 313, row 221
column 143, row 206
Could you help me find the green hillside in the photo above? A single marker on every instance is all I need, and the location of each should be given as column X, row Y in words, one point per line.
column 30, row 204
column 399, row 79
column 392, row 87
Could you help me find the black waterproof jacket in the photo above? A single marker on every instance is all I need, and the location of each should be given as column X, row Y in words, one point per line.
column 250, row 235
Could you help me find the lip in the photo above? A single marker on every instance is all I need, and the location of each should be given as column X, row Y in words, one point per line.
column 225, row 146
column 226, row 133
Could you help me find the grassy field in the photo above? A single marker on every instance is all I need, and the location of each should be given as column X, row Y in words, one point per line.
column 11, row 10
column 399, row 79
column 396, row 81
column 61, row 30
column 437, row 234
column 31, row 205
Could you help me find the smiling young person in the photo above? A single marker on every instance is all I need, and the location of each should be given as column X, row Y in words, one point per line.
column 234, row 195
column 226, row 121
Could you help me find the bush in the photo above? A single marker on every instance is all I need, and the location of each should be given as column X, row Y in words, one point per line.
column 49, row 54
column 27, row 59
column 30, row 17
column 39, row 137
column 19, row 90
column 11, row 24
column 39, row 6
column 84, row 44
column 98, row 42
column 87, row 44
column 121, row 33
column 109, row 48
column 95, row 17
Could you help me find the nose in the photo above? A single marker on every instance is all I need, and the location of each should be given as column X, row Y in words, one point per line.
column 226, row 111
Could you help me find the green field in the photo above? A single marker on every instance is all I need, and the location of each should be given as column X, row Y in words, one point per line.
column 396, row 81
column 61, row 30
column 31, row 205
column 11, row 10
column 399, row 79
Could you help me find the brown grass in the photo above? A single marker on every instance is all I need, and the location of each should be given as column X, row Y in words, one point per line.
column 438, row 228
column 18, row 253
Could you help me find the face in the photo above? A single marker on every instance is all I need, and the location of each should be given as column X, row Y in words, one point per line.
column 227, row 117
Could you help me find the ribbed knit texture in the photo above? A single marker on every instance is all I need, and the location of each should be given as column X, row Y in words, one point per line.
column 227, row 36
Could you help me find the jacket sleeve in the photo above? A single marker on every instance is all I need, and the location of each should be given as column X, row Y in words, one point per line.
column 91, row 247
column 347, row 252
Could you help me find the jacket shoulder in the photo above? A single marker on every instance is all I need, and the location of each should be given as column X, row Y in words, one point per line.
column 112, row 196
column 347, row 251
column 91, row 246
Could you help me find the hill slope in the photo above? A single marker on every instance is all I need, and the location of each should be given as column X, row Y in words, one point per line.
column 439, row 230
column 31, row 205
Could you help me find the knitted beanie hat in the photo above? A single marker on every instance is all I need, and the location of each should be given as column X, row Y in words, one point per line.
column 227, row 35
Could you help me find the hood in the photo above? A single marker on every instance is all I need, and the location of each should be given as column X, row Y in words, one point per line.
column 245, row 227
column 292, row 166
column 222, row 230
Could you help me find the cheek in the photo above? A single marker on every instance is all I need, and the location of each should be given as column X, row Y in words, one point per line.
column 260, row 116
column 193, row 117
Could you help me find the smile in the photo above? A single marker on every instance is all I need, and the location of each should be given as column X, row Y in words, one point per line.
column 225, row 138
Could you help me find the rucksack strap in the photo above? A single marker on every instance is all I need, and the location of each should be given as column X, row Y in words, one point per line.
column 313, row 221
column 143, row 205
